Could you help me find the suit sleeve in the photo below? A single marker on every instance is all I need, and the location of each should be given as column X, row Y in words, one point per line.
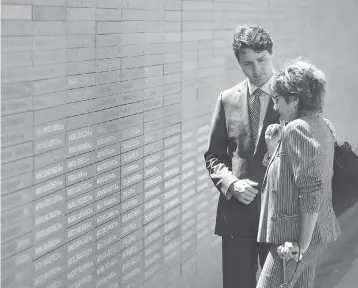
column 216, row 158
column 305, row 156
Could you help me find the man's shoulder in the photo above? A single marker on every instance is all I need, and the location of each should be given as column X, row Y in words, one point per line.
column 233, row 91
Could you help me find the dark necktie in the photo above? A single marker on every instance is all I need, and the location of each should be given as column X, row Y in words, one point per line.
column 254, row 112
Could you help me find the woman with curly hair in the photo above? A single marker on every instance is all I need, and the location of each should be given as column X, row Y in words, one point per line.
column 297, row 217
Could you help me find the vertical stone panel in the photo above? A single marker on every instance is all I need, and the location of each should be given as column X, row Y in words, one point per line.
column 106, row 109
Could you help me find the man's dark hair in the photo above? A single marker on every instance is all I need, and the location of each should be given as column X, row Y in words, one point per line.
column 252, row 36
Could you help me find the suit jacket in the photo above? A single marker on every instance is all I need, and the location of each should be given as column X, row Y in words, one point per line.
column 299, row 178
column 232, row 155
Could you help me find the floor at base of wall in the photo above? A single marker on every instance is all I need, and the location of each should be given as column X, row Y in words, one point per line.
column 338, row 266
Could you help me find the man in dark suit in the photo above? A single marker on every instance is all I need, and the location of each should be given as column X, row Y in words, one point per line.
column 235, row 156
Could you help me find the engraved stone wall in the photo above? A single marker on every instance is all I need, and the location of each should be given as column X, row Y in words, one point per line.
column 105, row 112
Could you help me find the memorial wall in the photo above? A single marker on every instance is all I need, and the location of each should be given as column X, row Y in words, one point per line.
column 105, row 112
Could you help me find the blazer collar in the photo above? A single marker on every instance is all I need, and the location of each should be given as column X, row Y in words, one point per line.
column 271, row 116
column 274, row 153
column 265, row 87
column 242, row 86
column 269, row 164
column 242, row 104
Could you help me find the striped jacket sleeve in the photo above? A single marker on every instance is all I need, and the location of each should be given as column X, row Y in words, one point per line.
column 306, row 158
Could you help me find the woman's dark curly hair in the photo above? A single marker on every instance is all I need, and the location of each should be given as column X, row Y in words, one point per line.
column 301, row 80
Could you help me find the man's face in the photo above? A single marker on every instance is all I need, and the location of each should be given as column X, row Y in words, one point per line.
column 257, row 66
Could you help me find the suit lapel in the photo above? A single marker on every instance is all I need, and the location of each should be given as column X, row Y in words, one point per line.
column 271, row 117
column 274, row 153
column 269, row 164
column 243, row 108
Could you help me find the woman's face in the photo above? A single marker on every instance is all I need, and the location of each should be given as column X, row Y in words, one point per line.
column 287, row 111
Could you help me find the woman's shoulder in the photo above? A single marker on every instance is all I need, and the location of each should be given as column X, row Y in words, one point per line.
column 308, row 129
column 297, row 125
column 331, row 128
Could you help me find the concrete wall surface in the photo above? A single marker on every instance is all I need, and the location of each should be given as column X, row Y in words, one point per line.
column 105, row 112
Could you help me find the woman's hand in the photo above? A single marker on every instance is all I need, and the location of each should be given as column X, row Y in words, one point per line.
column 272, row 136
column 289, row 250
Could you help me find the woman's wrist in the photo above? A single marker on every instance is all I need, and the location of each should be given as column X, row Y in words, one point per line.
column 302, row 246
column 299, row 250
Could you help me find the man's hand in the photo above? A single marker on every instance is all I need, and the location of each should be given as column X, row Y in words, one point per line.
column 243, row 190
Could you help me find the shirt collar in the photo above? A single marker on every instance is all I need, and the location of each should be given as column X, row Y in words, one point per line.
column 265, row 87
